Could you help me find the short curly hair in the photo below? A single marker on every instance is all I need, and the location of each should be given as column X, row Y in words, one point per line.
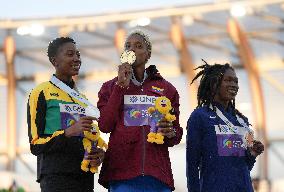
column 55, row 44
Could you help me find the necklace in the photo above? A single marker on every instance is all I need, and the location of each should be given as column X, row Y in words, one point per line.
column 137, row 83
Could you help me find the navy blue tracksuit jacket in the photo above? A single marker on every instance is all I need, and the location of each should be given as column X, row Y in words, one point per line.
column 216, row 162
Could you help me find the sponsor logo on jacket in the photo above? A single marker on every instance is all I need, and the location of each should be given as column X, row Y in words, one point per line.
column 139, row 99
column 54, row 94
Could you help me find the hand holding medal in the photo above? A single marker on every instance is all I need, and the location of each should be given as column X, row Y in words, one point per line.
column 255, row 147
column 127, row 58
column 248, row 138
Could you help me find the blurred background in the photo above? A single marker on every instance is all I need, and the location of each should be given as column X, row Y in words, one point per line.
column 248, row 34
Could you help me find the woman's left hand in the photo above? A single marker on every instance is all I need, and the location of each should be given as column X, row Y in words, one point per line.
column 257, row 148
column 166, row 128
column 96, row 157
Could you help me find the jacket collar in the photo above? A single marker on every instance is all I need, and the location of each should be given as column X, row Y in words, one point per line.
column 69, row 84
column 222, row 108
column 153, row 72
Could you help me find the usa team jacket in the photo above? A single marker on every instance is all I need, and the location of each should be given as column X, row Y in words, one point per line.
column 215, row 151
column 49, row 111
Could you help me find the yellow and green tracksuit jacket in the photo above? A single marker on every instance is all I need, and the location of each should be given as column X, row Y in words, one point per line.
column 50, row 110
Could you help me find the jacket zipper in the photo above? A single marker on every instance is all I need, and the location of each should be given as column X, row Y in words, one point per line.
column 143, row 152
column 143, row 140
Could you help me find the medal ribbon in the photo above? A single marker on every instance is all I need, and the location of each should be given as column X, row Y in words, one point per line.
column 73, row 93
column 228, row 123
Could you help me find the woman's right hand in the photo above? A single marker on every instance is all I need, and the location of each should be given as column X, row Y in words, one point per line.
column 257, row 148
column 96, row 157
column 124, row 74
column 84, row 124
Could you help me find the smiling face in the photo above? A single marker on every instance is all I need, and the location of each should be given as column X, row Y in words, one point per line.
column 228, row 88
column 137, row 44
column 67, row 61
column 163, row 105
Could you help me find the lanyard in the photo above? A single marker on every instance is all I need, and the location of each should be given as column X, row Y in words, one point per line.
column 75, row 94
column 249, row 133
column 228, row 123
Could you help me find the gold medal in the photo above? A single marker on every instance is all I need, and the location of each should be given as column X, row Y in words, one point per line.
column 128, row 57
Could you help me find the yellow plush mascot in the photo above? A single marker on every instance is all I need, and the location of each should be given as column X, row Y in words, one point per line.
column 91, row 139
column 162, row 109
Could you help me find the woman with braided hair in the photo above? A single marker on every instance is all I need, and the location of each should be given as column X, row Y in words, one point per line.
column 131, row 163
column 221, row 150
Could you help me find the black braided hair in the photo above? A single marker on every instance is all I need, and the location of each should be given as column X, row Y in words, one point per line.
column 211, row 79
column 55, row 44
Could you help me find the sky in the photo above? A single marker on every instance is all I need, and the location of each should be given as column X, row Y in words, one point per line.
column 22, row 9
